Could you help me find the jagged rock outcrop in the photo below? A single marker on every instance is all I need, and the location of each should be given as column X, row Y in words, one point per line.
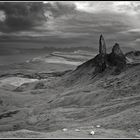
column 133, row 54
column 103, row 60
column 116, row 50
column 117, row 58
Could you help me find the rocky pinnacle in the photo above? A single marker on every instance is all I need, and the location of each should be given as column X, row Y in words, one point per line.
column 102, row 53
column 103, row 60
column 115, row 58
column 102, row 46
column 116, row 50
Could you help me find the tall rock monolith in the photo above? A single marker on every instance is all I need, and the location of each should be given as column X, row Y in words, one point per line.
column 102, row 53
column 102, row 45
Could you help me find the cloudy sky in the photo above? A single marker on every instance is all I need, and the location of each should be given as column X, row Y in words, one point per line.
column 72, row 21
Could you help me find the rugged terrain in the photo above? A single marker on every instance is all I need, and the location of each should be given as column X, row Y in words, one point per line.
column 43, row 96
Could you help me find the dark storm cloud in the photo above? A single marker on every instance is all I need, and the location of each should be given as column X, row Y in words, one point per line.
column 26, row 15
column 22, row 16
column 79, row 20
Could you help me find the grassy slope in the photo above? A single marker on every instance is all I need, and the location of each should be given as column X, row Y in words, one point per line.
column 68, row 102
